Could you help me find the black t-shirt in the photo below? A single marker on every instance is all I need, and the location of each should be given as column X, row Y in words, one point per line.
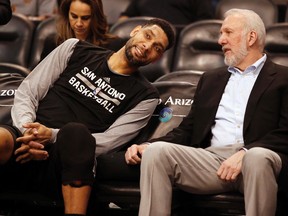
column 89, row 93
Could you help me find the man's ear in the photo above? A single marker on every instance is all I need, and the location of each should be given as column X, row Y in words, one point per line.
column 135, row 30
column 252, row 38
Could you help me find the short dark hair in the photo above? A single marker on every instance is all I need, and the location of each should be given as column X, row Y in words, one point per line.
column 167, row 27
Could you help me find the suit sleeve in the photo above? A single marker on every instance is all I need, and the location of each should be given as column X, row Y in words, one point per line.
column 277, row 139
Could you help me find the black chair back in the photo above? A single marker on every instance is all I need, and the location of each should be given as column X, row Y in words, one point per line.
column 276, row 45
column 113, row 9
column 15, row 40
column 11, row 76
column 191, row 76
column 176, row 100
column 46, row 30
column 198, row 48
column 266, row 9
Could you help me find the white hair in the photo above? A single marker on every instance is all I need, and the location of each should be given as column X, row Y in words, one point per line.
column 253, row 22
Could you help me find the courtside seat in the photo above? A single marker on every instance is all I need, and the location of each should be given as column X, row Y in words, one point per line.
column 15, row 40
column 230, row 203
column 266, row 9
column 45, row 30
column 191, row 76
column 127, row 195
column 197, row 47
column 13, row 69
column 113, row 9
column 276, row 44
column 15, row 203
column 11, row 75
column 123, row 198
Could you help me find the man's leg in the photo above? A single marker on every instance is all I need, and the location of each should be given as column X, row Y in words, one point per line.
column 6, row 145
column 10, row 170
column 164, row 165
column 260, row 169
column 76, row 148
column 8, row 136
column 76, row 199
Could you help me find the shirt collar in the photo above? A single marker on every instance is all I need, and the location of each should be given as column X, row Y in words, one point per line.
column 254, row 69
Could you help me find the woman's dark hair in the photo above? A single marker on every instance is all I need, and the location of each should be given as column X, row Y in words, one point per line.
column 167, row 27
column 99, row 27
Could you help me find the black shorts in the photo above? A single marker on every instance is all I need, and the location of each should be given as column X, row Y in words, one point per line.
column 71, row 158
column 33, row 176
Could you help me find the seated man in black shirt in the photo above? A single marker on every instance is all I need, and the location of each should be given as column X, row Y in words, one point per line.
column 81, row 101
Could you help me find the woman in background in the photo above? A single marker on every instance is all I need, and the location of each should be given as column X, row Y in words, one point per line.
column 85, row 20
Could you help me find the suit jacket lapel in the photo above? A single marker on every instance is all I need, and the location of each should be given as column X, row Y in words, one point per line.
column 264, row 79
column 214, row 96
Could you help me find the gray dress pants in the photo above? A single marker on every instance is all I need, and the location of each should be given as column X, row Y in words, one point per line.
column 194, row 170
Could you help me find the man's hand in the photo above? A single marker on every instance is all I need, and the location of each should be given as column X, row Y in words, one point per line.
column 31, row 151
column 134, row 153
column 35, row 132
column 230, row 168
column 33, row 141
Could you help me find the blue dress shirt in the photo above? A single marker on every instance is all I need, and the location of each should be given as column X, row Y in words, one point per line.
column 228, row 128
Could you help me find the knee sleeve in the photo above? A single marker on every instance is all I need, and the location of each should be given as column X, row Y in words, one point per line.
column 76, row 151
